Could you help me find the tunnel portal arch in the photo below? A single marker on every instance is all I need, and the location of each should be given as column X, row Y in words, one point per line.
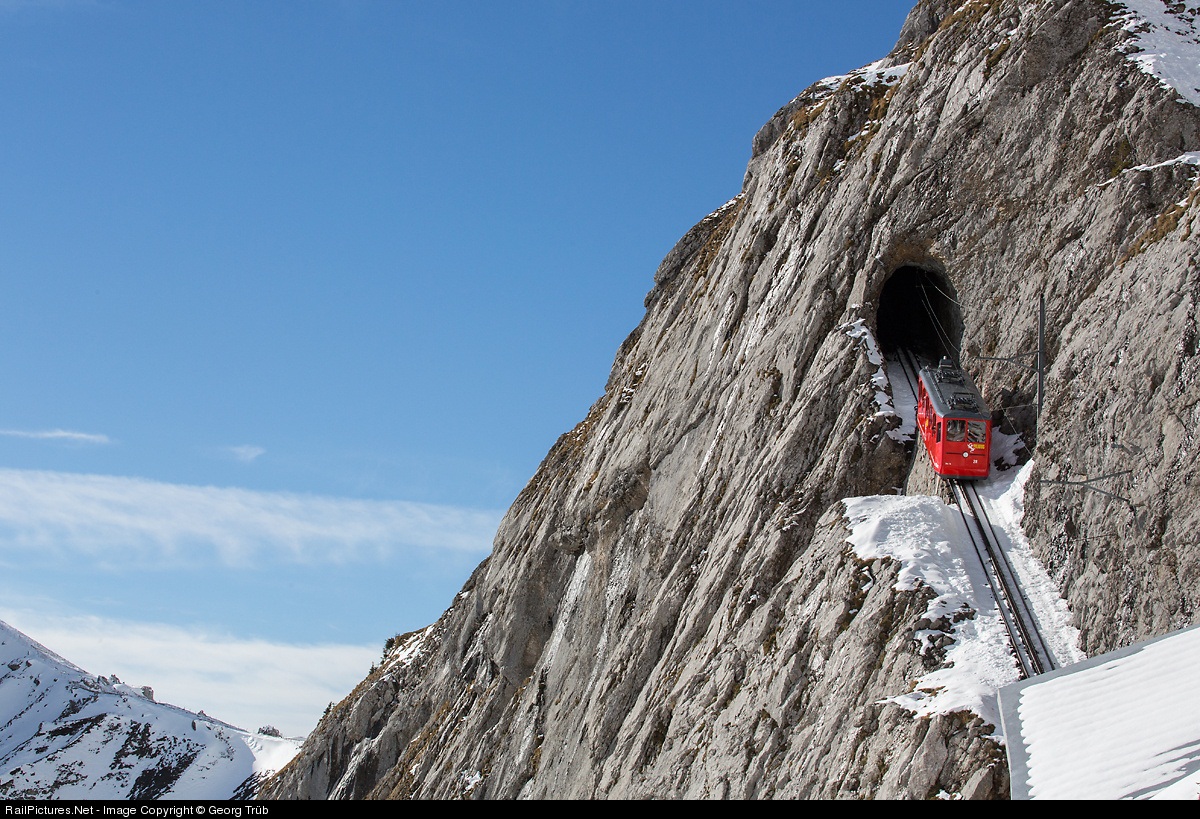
column 919, row 310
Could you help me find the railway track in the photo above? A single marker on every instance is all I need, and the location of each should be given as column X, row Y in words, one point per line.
column 910, row 366
column 1032, row 654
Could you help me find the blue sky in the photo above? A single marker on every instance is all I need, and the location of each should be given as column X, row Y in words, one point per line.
column 295, row 296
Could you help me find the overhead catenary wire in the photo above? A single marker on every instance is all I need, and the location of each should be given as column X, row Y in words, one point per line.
column 944, row 294
column 936, row 322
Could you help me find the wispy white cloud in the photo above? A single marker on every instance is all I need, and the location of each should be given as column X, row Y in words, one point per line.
column 246, row 453
column 248, row 683
column 64, row 435
column 115, row 522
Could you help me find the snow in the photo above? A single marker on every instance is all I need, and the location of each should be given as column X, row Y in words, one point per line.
column 928, row 538
column 903, row 404
column 1007, row 450
column 66, row 734
column 869, row 74
column 880, row 382
column 1124, row 725
column 404, row 654
column 1188, row 158
column 876, row 72
column 889, row 401
column 1005, row 499
column 1164, row 43
column 470, row 779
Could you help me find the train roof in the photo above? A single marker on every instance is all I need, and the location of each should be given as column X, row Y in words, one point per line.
column 952, row 392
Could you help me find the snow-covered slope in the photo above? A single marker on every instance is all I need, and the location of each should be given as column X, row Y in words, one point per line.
column 67, row 734
column 1124, row 725
column 1165, row 42
column 925, row 535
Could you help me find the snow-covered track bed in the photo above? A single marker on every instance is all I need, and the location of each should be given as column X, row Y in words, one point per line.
column 1030, row 649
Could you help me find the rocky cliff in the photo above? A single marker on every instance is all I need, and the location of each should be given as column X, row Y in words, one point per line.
column 671, row 608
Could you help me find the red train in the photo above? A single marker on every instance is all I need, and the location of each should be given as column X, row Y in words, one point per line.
column 954, row 421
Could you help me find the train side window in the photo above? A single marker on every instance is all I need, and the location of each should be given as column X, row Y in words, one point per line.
column 938, row 429
column 956, row 430
column 976, row 432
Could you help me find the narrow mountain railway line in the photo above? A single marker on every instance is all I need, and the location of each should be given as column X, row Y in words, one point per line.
column 909, row 365
column 1030, row 649
column 1033, row 655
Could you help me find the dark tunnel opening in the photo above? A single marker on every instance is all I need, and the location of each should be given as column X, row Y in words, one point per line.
column 918, row 310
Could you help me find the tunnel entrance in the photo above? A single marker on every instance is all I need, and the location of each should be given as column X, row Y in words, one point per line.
column 918, row 309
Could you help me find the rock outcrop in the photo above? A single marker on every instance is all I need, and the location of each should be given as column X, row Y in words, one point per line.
column 670, row 608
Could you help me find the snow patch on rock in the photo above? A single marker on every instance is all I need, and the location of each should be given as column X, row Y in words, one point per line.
column 1166, row 43
column 928, row 538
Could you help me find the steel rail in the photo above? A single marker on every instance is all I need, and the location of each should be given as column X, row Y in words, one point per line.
column 1032, row 653
column 908, row 366
column 1028, row 646
column 1024, row 608
column 1016, row 645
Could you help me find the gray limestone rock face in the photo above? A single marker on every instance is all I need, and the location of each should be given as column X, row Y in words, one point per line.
column 671, row 608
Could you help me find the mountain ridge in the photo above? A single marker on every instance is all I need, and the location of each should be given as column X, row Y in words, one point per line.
column 67, row 734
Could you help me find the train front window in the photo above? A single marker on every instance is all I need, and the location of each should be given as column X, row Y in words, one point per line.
column 977, row 432
column 956, row 429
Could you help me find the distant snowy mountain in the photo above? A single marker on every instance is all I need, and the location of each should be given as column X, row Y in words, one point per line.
column 67, row 734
